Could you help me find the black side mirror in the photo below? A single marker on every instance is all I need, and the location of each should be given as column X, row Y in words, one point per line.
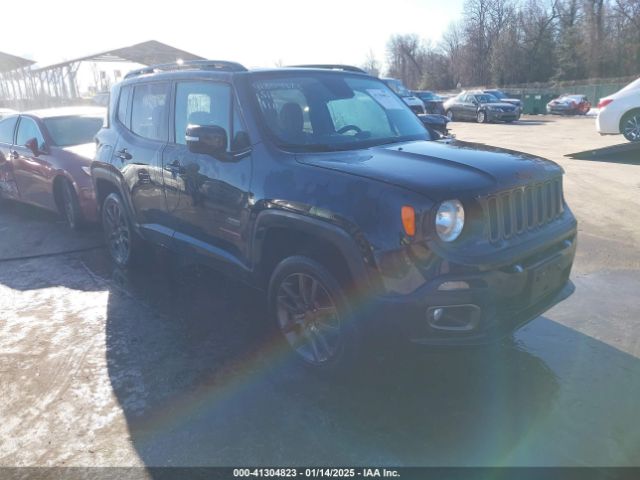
column 207, row 139
column 32, row 144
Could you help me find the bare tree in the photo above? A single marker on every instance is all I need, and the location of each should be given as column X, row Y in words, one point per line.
column 371, row 64
column 518, row 41
column 405, row 56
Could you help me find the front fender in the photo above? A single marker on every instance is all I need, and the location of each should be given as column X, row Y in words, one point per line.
column 101, row 171
column 354, row 252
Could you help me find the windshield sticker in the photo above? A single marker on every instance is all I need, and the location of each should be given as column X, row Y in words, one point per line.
column 385, row 99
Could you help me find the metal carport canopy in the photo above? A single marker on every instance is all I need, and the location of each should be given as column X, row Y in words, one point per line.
column 9, row 63
column 145, row 53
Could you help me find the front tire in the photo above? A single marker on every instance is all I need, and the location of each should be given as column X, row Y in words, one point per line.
column 630, row 126
column 70, row 206
column 309, row 308
column 450, row 115
column 482, row 117
column 120, row 238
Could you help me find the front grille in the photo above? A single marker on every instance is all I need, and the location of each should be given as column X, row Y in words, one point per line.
column 519, row 210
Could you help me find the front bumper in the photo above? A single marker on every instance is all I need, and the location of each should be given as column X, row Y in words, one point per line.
column 559, row 110
column 502, row 116
column 88, row 203
column 608, row 121
column 496, row 302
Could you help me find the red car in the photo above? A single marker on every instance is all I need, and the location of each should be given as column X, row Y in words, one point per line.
column 569, row 105
column 45, row 160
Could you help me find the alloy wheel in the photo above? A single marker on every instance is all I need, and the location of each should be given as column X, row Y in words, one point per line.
column 308, row 318
column 631, row 128
column 117, row 232
column 481, row 117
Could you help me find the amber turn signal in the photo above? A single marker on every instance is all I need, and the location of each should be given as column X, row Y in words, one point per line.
column 409, row 220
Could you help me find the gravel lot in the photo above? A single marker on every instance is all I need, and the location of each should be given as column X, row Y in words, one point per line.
column 173, row 366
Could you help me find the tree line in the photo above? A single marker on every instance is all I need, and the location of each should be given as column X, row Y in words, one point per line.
column 507, row 42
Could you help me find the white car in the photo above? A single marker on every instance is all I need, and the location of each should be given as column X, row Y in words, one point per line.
column 620, row 113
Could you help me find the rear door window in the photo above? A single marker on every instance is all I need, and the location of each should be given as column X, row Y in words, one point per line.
column 149, row 111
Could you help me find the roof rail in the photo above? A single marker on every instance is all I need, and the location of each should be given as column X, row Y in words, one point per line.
column 219, row 65
column 328, row 66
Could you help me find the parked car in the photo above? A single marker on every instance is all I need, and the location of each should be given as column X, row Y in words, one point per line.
column 436, row 122
column 569, row 105
column 415, row 104
column 5, row 112
column 620, row 113
column 500, row 95
column 481, row 107
column 432, row 102
column 322, row 189
column 45, row 159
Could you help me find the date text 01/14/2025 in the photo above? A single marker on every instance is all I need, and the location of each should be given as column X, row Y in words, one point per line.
column 315, row 473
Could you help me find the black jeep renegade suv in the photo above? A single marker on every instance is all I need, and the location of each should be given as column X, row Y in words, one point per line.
column 321, row 187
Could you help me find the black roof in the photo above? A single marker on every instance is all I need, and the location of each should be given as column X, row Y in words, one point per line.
column 214, row 65
column 224, row 66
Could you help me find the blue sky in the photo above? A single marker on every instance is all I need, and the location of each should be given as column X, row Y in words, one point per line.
column 255, row 33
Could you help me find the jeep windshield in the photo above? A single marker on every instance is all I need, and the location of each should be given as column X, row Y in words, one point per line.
column 320, row 111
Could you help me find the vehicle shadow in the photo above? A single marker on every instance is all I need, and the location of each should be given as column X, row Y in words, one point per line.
column 202, row 382
column 515, row 123
column 37, row 232
column 524, row 122
column 627, row 153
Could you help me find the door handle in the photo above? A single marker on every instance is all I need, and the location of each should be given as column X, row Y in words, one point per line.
column 175, row 167
column 14, row 155
column 123, row 155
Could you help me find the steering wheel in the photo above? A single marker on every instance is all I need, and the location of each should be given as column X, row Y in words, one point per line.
column 346, row 128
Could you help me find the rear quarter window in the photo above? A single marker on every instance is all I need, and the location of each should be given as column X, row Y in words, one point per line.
column 122, row 113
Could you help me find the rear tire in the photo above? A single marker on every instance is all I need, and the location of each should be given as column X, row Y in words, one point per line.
column 450, row 115
column 310, row 312
column 121, row 240
column 630, row 126
column 70, row 206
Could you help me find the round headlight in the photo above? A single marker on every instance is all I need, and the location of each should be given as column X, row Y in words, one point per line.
column 450, row 220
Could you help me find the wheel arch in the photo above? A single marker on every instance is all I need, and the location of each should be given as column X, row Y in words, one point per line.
column 279, row 234
column 107, row 180
column 624, row 116
column 58, row 181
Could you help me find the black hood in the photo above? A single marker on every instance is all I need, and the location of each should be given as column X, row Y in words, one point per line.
column 442, row 169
